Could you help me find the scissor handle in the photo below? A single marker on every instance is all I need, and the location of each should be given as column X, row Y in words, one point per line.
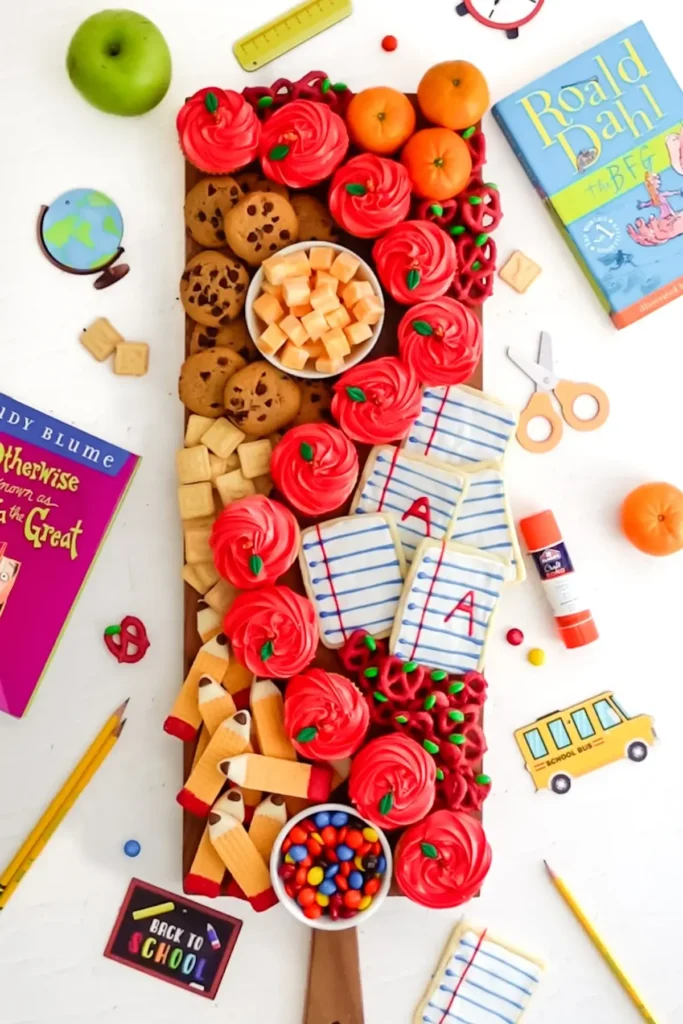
column 567, row 392
column 541, row 406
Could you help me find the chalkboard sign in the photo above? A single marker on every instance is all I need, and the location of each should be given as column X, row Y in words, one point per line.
column 172, row 938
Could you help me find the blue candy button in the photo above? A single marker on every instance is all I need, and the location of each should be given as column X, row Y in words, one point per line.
column 381, row 865
column 327, row 887
column 356, row 880
column 339, row 819
column 298, row 852
column 322, row 819
column 331, row 871
column 344, row 852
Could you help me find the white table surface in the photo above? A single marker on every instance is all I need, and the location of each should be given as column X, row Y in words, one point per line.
column 617, row 838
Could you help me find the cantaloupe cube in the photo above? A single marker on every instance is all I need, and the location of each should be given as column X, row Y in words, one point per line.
column 321, row 257
column 357, row 333
column 326, row 365
column 275, row 270
column 296, row 291
column 315, row 349
column 294, row 330
column 324, row 301
column 324, row 280
column 292, row 357
column 298, row 264
column 272, row 289
column 336, row 344
column 272, row 339
column 315, row 323
column 339, row 317
column 345, row 266
column 369, row 310
column 354, row 291
column 300, row 311
column 268, row 308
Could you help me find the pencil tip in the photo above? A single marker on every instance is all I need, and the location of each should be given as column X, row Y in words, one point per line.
column 122, row 707
column 119, row 729
column 549, row 869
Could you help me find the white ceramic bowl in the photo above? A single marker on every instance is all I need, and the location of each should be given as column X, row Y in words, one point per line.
column 326, row 923
column 256, row 326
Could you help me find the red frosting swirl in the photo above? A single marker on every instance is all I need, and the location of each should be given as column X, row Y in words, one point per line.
column 326, row 717
column 442, row 861
column 415, row 261
column 218, row 131
column 393, row 781
column 441, row 341
column 376, row 402
column 315, row 466
column 273, row 631
column 302, row 144
column 254, row 540
column 369, row 195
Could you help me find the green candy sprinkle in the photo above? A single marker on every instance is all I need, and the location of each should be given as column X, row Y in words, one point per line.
column 401, row 719
column 481, row 239
column 438, row 674
column 265, row 101
column 429, row 850
column 255, row 564
column 112, row 631
column 456, row 716
column 371, row 673
column 409, row 666
column 386, row 803
column 456, row 687
column 306, row 451
column 430, row 701
column 422, row 327
column 413, row 279
column 278, row 152
column 469, row 132
column 307, row 734
column 439, row 775
column 325, row 85
column 430, row 747
column 436, row 209
column 475, row 200
column 339, row 87
column 379, row 697
column 476, row 265
column 370, row 643
column 483, row 780
column 457, row 739
column 356, row 394
column 211, row 102
column 457, row 229
column 356, row 189
column 267, row 650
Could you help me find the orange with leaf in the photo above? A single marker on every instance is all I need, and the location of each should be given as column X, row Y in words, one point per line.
column 380, row 120
column 652, row 518
column 438, row 162
column 453, row 94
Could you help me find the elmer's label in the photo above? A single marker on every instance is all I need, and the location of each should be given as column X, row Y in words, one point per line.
column 557, row 573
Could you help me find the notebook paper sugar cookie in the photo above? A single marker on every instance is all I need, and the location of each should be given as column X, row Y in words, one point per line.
column 423, row 496
column 479, row 979
column 353, row 570
column 484, row 521
column 447, row 606
column 460, row 425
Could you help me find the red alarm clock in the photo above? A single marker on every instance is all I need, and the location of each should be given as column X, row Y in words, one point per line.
column 507, row 15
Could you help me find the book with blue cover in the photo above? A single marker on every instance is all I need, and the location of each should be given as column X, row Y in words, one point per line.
column 601, row 139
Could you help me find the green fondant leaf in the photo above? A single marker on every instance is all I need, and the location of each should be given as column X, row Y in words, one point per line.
column 429, row 850
column 409, row 667
column 356, row 394
column 112, row 631
column 278, row 152
column 481, row 239
column 267, row 650
column 371, row 673
column 401, row 719
column 265, row 101
column 379, row 697
column 255, row 564
column 413, row 279
column 430, row 747
column 211, row 102
column 483, row 780
column 456, row 687
column 475, row 200
column 306, row 451
column 436, row 209
column 438, row 674
column 469, row 132
column 457, row 229
column 370, row 642
column 422, row 327
column 356, row 189
column 430, row 701
column 307, row 734
column 456, row 716
column 386, row 803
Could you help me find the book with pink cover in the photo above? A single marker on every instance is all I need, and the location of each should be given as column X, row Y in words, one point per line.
column 60, row 489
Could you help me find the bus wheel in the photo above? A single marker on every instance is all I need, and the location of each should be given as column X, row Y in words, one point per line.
column 637, row 751
column 561, row 784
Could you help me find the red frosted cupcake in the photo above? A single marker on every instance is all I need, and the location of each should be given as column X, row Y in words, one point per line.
column 254, row 541
column 393, row 781
column 315, row 467
column 369, row 195
column 441, row 341
column 442, row 861
column 326, row 717
column 218, row 131
column 415, row 261
column 376, row 402
column 302, row 144
column 273, row 631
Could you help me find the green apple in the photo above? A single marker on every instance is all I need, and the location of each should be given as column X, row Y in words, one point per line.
column 120, row 62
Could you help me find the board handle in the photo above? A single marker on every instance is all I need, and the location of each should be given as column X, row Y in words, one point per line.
column 334, row 993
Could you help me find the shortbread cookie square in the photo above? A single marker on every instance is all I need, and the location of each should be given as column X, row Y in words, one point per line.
column 195, row 500
column 197, row 546
column 131, row 359
column 101, row 338
column 234, row 485
column 192, row 577
column 519, row 272
column 263, row 484
column 196, row 426
column 192, row 465
column 221, row 466
column 254, row 458
column 207, row 574
column 221, row 596
column 423, row 495
column 222, row 437
column 353, row 570
column 483, row 520
column 460, row 426
column 447, row 606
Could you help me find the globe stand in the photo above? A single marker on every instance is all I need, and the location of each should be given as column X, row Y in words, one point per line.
column 109, row 274
column 112, row 274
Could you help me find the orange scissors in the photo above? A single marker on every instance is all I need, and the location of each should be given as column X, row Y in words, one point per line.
column 566, row 392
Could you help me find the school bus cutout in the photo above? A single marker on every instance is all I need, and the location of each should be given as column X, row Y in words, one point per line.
column 559, row 747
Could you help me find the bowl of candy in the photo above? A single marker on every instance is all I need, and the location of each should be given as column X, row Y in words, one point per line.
column 330, row 868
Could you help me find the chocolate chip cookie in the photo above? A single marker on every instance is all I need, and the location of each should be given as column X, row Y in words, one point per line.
column 254, row 181
column 259, row 225
column 234, row 336
column 203, row 377
column 260, row 399
column 213, row 288
column 316, row 399
column 205, row 206
column 315, row 220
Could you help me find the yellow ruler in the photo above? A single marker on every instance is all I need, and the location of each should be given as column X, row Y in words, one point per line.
column 289, row 30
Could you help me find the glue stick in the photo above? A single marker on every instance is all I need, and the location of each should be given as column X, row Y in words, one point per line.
column 554, row 566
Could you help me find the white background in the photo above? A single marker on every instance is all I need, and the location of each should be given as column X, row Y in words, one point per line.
column 618, row 837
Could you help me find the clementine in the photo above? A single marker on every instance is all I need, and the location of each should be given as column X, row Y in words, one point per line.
column 652, row 518
column 438, row 162
column 380, row 120
column 453, row 94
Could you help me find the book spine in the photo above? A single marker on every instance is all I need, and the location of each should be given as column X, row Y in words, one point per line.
column 502, row 124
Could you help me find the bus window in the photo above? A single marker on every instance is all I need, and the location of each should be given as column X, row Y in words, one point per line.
column 619, row 708
column 559, row 734
column 583, row 724
column 535, row 743
column 607, row 715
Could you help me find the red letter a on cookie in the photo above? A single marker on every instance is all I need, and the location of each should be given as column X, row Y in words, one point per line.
column 420, row 509
column 467, row 603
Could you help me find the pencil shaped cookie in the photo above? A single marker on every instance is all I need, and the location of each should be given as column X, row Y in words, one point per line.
column 267, row 709
column 215, row 703
column 206, row 780
column 212, row 660
column 242, row 859
column 237, row 681
column 290, row 778
column 207, row 872
column 209, row 622
column 202, row 744
column 269, row 817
